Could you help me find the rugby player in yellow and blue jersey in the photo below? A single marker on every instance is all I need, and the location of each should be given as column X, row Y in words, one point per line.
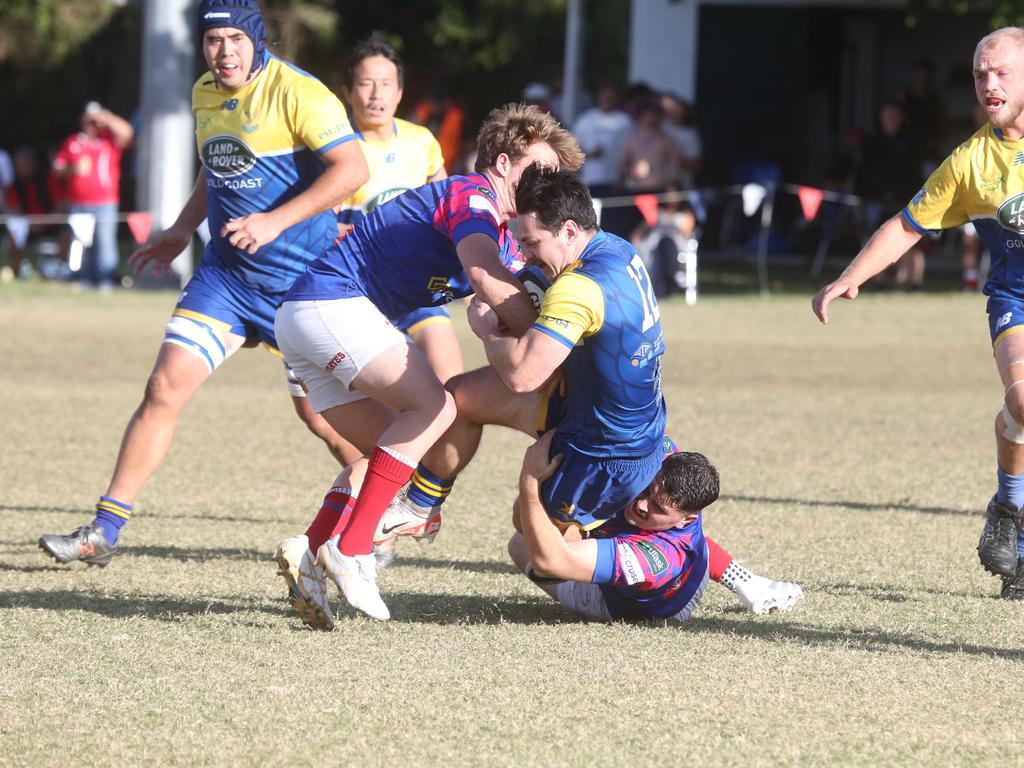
column 278, row 153
column 600, row 321
column 982, row 182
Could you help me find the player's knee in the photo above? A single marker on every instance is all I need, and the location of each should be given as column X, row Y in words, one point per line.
column 446, row 412
column 162, row 392
column 1010, row 423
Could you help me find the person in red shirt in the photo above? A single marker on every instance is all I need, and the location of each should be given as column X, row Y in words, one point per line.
column 90, row 164
column 30, row 193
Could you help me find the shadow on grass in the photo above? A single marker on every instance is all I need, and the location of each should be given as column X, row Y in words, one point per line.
column 860, row 506
column 157, row 607
column 142, row 515
column 888, row 594
column 472, row 566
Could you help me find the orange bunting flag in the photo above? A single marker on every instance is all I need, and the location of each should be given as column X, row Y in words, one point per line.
column 810, row 201
column 648, row 205
column 141, row 224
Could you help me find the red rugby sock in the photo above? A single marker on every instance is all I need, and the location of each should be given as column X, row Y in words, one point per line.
column 718, row 559
column 385, row 475
column 332, row 518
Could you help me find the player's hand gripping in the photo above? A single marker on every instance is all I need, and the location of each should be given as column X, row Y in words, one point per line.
column 162, row 250
column 249, row 233
column 482, row 319
column 841, row 288
column 538, row 464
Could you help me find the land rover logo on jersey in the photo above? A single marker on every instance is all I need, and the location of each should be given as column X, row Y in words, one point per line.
column 226, row 156
column 382, row 197
column 1011, row 214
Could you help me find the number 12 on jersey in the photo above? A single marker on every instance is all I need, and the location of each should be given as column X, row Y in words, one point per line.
column 638, row 272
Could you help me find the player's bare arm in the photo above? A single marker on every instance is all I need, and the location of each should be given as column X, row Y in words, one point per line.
column 166, row 246
column 886, row 246
column 550, row 553
column 523, row 363
column 494, row 284
column 345, row 172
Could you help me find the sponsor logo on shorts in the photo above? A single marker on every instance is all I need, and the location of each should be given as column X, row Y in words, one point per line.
column 334, row 362
column 1004, row 320
column 226, row 156
column 382, row 197
column 632, row 571
column 655, row 558
column 1011, row 214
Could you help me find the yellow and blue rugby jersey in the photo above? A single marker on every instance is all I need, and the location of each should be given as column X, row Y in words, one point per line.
column 981, row 181
column 260, row 147
column 405, row 161
column 603, row 307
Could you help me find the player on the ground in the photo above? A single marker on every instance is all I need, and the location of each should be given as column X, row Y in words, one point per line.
column 648, row 561
column 599, row 319
column 979, row 182
column 278, row 153
column 425, row 247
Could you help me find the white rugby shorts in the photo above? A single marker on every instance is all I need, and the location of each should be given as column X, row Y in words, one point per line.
column 327, row 343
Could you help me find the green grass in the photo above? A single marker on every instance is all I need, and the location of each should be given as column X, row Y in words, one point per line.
column 855, row 459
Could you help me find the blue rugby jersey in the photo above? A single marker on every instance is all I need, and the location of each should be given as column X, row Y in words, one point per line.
column 603, row 307
column 402, row 255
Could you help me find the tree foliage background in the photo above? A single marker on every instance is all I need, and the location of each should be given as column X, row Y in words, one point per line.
column 56, row 55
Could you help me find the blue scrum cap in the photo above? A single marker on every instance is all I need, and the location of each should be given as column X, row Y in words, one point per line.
column 240, row 14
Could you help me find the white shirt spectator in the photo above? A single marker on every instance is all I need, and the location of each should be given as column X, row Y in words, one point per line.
column 601, row 135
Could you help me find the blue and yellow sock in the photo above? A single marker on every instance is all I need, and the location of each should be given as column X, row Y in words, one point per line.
column 111, row 515
column 427, row 489
column 1011, row 489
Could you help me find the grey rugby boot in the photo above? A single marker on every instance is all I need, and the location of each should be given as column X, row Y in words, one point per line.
column 997, row 548
column 1013, row 586
column 86, row 543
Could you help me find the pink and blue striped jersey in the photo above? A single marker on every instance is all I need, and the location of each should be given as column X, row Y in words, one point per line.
column 402, row 255
column 649, row 574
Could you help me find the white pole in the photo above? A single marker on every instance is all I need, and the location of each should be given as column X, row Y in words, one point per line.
column 571, row 68
column 167, row 137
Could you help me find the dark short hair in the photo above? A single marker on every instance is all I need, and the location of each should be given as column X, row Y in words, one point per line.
column 555, row 197
column 374, row 45
column 690, row 480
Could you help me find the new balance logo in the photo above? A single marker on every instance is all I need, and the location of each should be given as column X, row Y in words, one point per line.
column 1018, row 159
column 1004, row 320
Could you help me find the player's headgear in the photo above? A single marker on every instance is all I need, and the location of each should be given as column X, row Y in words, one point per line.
column 240, row 14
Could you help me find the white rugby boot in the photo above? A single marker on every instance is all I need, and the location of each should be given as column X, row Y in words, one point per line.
column 356, row 579
column 404, row 518
column 759, row 594
column 307, row 584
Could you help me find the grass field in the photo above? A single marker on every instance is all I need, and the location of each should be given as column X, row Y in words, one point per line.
column 855, row 459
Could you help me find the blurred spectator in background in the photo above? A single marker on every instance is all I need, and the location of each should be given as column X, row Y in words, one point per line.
column 650, row 157
column 890, row 175
column 539, row 95
column 972, row 248
column 925, row 116
column 681, row 125
column 90, row 163
column 443, row 117
column 649, row 163
column 601, row 132
column 31, row 193
column 6, row 169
